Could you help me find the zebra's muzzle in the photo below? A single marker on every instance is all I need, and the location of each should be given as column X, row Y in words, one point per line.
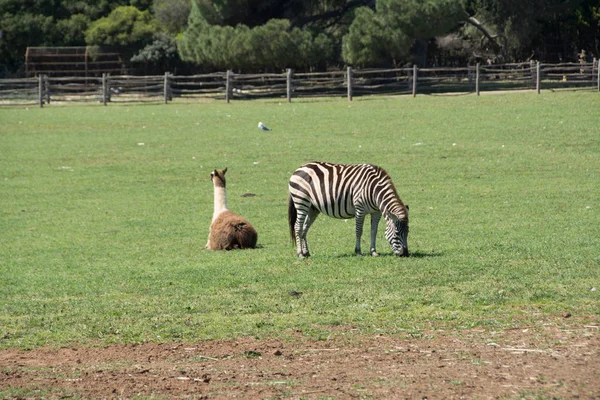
column 402, row 253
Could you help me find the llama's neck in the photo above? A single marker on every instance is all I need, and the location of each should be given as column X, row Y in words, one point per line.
column 220, row 201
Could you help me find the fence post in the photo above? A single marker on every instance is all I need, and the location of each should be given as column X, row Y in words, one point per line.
column 108, row 93
column 537, row 77
column 228, row 86
column 598, row 73
column 349, row 82
column 414, row 82
column 477, row 79
column 47, row 88
column 41, row 90
column 289, row 84
column 104, row 88
column 166, row 88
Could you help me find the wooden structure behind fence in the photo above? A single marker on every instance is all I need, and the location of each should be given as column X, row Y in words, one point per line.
column 86, row 61
column 350, row 83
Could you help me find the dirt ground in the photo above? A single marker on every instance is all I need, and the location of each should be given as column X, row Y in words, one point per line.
column 554, row 360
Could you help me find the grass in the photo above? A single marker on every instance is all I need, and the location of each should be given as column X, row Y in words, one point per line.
column 105, row 213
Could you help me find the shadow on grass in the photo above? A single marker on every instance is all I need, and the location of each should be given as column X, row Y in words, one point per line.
column 416, row 254
column 425, row 254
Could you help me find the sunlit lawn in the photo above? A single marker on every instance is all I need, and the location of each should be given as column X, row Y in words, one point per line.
column 105, row 213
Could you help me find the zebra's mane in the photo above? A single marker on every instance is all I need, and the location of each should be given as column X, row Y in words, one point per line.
column 388, row 179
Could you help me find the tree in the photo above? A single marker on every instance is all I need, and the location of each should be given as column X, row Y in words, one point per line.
column 72, row 30
column 160, row 56
column 93, row 9
column 124, row 26
column 172, row 15
column 514, row 30
column 274, row 45
column 587, row 15
column 48, row 23
column 389, row 33
column 259, row 12
column 21, row 31
column 366, row 42
column 307, row 34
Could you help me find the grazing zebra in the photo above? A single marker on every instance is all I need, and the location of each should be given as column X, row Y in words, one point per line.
column 346, row 191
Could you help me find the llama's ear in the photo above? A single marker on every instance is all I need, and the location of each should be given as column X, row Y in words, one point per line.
column 225, row 170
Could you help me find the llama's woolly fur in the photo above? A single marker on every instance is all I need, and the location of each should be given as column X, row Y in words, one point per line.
column 230, row 231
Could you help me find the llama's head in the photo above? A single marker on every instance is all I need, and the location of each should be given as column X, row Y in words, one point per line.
column 218, row 177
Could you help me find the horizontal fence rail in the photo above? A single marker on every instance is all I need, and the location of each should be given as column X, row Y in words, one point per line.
column 228, row 86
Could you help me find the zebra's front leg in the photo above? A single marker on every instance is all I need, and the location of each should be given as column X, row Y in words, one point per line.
column 360, row 220
column 375, row 217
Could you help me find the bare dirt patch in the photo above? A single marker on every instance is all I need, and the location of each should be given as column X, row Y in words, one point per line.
column 549, row 361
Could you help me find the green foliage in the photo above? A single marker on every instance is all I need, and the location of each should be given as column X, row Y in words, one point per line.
column 92, row 9
column 231, row 34
column 48, row 23
column 273, row 46
column 172, row 15
column 73, row 29
column 390, row 32
column 259, row 12
column 102, row 237
column 319, row 35
column 161, row 54
column 20, row 31
column 124, row 26
column 526, row 28
column 422, row 19
column 588, row 26
column 141, row 4
column 222, row 12
column 366, row 42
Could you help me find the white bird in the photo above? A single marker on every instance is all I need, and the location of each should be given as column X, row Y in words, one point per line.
column 263, row 127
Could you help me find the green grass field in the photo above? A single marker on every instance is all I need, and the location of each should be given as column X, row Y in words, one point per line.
column 105, row 213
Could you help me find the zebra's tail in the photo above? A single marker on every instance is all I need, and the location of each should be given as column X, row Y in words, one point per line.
column 292, row 216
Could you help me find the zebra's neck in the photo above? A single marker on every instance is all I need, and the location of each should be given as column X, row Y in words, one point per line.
column 220, row 201
column 393, row 209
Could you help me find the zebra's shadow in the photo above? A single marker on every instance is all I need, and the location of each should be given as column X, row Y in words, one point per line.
column 425, row 254
column 415, row 254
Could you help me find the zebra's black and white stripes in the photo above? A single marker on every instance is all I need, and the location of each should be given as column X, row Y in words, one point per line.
column 346, row 191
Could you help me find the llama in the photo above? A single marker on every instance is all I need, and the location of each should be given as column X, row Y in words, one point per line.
column 228, row 230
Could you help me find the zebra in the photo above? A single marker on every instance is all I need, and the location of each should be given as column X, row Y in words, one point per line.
column 346, row 191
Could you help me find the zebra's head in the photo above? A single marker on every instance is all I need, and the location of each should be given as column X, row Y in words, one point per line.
column 396, row 233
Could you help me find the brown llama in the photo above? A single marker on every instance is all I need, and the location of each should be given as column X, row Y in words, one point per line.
column 228, row 230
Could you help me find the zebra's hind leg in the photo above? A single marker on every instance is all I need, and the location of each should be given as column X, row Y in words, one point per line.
column 303, row 223
column 300, row 238
column 375, row 217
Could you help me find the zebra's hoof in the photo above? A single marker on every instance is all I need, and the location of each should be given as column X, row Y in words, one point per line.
column 374, row 254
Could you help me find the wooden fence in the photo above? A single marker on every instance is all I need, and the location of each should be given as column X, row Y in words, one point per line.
column 350, row 83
